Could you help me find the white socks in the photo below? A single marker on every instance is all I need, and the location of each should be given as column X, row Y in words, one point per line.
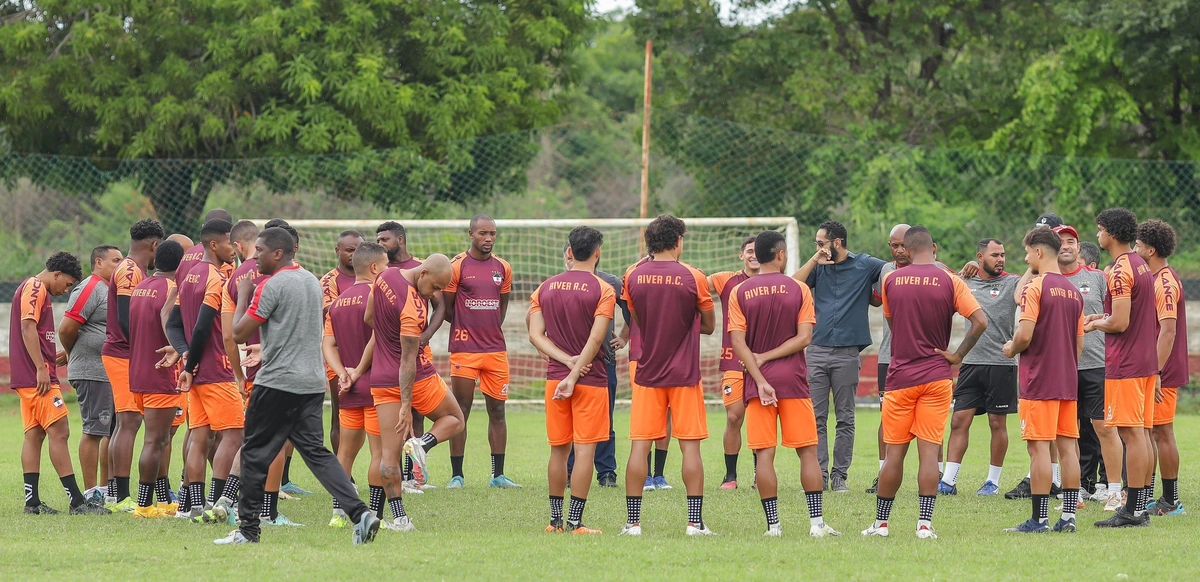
column 951, row 475
column 1057, row 475
column 881, row 464
column 994, row 474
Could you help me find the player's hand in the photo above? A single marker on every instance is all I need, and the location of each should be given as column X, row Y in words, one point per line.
column 617, row 344
column 951, row 357
column 969, row 270
column 1159, row 395
column 185, row 382
column 43, row 381
column 404, row 427
column 1090, row 321
column 253, row 355
column 823, row 256
column 766, row 395
column 170, row 357
column 345, row 381
column 241, row 388
column 574, row 360
column 245, row 287
column 60, row 358
column 1008, row 349
column 565, row 388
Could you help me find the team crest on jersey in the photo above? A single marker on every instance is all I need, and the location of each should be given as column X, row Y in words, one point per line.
column 728, row 390
column 58, row 402
column 1085, row 289
column 497, row 277
column 994, row 292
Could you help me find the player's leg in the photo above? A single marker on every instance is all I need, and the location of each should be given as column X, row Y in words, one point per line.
column 121, row 451
column 732, row 388
column 96, row 421
column 1168, row 462
column 226, row 415
column 354, row 434
column 930, row 409
column 104, row 461
column 647, row 423
column 429, row 397
column 656, row 476
column 998, row 425
column 635, row 468
column 58, row 432
column 374, row 480
column 463, row 388
column 390, row 473
column 31, row 455
column 960, row 439
column 897, row 416
column 154, row 444
column 167, row 504
column 335, row 429
column 881, row 379
column 1003, row 400
column 556, row 476
column 493, row 382
column 690, row 426
column 1068, row 448
column 768, row 489
column 196, row 465
column 589, row 422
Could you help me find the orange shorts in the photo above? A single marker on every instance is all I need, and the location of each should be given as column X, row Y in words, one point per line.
column 648, row 413
column 732, row 387
column 364, row 418
column 1046, row 420
column 794, row 415
column 249, row 390
column 581, row 419
column 161, row 400
column 1129, row 402
column 41, row 411
column 491, row 370
column 117, row 370
column 918, row 411
column 427, row 394
column 1164, row 412
column 218, row 406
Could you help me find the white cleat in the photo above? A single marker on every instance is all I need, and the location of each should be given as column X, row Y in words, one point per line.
column 880, row 530
column 774, row 530
column 926, row 533
column 1113, row 502
column 411, row 488
column 400, row 524
column 1100, row 495
column 631, row 530
column 702, row 530
column 823, row 530
column 415, row 449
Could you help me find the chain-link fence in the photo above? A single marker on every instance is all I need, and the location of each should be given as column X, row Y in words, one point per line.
column 699, row 167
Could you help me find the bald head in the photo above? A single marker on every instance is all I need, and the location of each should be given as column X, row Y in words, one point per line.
column 433, row 275
column 898, row 231
column 183, row 240
column 896, row 244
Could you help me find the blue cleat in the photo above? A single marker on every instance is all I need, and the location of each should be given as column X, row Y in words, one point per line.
column 660, row 483
column 293, row 489
column 1031, row 526
column 988, row 489
column 1163, row 507
column 649, row 486
column 945, row 488
column 456, row 482
column 1064, row 525
column 502, row 482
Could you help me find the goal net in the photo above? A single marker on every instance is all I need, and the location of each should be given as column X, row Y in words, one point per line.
column 534, row 248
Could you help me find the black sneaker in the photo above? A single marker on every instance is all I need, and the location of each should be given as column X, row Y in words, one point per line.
column 40, row 509
column 1021, row 491
column 608, row 480
column 1055, row 490
column 90, row 508
column 874, row 486
column 1122, row 518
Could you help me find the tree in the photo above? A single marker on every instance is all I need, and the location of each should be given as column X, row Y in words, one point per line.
column 172, row 89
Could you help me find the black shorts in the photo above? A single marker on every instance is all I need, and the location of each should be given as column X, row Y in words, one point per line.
column 882, row 379
column 986, row 389
column 1091, row 394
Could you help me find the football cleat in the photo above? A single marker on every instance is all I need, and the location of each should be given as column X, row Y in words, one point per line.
column 699, row 529
column 988, row 489
column 945, row 488
column 774, row 530
column 235, row 537
column 581, row 530
column 1064, row 526
column 822, row 530
column 499, row 482
column 40, row 509
column 415, row 449
column 1029, row 526
column 660, row 483
column 631, row 529
column 456, row 482
column 340, row 520
column 880, row 530
column 556, row 526
column 400, row 524
column 926, row 533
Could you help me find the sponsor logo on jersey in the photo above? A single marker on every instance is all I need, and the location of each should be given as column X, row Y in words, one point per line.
column 482, row 304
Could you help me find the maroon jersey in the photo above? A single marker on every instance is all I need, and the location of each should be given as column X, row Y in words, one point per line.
column 248, row 268
column 409, row 263
column 205, row 285
column 32, row 302
column 124, row 279
column 1171, row 304
column 477, row 320
column 192, row 257
column 570, row 302
column 921, row 301
column 1047, row 366
column 344, row 323
column 667, row 298
column 723, row 284
column 147, row 337
column 635, row 335
column 764, row 307
column 333, row 284
column 399, row 311
column 1131, row 353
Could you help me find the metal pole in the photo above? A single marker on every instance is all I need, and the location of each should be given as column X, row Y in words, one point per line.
column 644, row 209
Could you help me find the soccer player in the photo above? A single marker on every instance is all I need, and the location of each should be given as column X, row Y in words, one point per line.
column 1095, row 439
column 731, row 368
column 34, row 379
column 286, row 405
column 144, row 237
column 987, row 381
column 569, row 315
column 149, row 308
column 476, row 304
column 81, row 334
column 338, row 279
column 761, row 310
column 349, row 348
column 919, row 302
column 403, row 376
column 672, row 305
column 202, row 327
column 195, row 254
column 1131, row 363
column 1049, row 335
column 1155, row 244
column 899, row 259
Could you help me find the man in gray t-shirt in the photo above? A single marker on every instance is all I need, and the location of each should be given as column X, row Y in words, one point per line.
column 289, row 392
column 987, row 381
column 81, row 333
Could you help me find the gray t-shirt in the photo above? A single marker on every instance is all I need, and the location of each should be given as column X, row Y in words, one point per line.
column 1092, row 285
column 88, row 305
column 841, row 295
column 995, row 296
column 289, row 305
column 610, row 356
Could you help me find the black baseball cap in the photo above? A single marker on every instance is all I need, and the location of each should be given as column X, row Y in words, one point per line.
column 1049, row 221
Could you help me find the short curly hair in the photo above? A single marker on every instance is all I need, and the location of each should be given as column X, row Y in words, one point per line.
column 584, row 240
column 1120, row 223
column 65, row 263
column 147, row 229
column 1157, row 234
column 663, row 233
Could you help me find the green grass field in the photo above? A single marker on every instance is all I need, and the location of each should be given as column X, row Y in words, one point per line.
column 479, row 533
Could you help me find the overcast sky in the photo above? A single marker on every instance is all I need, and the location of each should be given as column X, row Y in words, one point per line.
column 754, row 16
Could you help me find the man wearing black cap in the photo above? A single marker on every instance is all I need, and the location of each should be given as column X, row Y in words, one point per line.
column 1049, row 220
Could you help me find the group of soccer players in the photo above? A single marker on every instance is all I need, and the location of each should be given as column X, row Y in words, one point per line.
column 171, row 357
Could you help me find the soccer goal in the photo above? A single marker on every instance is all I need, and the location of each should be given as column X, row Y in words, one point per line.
column 534, row 248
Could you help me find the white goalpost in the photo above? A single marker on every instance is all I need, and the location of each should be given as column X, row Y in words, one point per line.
column 534, row 248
